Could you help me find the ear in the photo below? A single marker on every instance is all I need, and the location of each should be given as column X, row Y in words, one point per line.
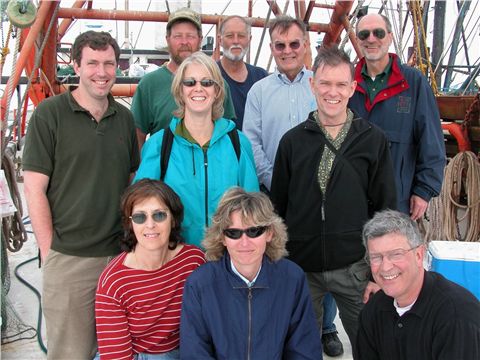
column 269, row 235
column 420, row 255
column 353, row 87
column 311, row 80
column 76, row 67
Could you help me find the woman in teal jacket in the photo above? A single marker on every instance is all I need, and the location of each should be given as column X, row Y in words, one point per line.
column 206, row 157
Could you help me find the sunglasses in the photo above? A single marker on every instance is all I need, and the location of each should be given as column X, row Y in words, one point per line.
column 294, row 45
column 251, row 232
column 203, row 82
column 157, row 216
column 378, row 33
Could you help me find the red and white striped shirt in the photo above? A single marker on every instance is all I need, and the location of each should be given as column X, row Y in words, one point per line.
column 138, row 311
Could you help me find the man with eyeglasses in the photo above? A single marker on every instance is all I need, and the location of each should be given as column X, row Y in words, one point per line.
column 399, row 100
column 234, row 37
column 153, row 104
column 417, row 314
column 283, row 99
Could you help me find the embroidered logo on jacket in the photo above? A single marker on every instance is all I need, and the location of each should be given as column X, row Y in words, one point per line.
column 403, row 105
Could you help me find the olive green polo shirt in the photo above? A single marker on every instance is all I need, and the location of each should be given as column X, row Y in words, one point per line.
column 374, row 86
column 88, row 164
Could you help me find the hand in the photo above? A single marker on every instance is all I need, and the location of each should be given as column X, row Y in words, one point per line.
column 418, row 206
column 371, row 289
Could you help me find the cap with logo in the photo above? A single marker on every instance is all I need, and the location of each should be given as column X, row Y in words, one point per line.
column 185, row 14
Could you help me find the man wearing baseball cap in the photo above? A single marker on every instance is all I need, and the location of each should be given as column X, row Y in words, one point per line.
column 153, row 102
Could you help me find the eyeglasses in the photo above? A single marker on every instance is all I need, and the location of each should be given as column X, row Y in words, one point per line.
column 394, row 256
column 157, row 216
column 378, row 33
column 203, row 82
column 251, row 232
column 280, row 46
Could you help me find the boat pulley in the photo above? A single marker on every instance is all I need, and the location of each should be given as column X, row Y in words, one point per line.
column 21, row 13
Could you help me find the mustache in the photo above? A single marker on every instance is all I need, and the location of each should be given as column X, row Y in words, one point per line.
column 185, row 48
column 236, row 47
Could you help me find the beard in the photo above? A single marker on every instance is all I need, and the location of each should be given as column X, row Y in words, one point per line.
column 181, row 54
column 230, row 56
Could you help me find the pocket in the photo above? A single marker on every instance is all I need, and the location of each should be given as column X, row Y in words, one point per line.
column 360, row 274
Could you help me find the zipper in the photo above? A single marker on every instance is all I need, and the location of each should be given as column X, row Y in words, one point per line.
column 249, row 337
column 205, row 167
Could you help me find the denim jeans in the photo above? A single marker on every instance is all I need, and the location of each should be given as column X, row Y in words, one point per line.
column 171, row 355
column 329, row 313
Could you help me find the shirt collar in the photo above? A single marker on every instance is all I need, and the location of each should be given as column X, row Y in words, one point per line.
column 248, row 282
column 286, row 80
column 386, row 71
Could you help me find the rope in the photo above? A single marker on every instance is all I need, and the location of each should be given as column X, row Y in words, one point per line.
column 352, row 24
column 12, row 226
column 459, row 191
column 5, row 49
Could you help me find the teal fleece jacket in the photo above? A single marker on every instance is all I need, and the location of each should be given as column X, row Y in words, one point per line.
column 200, row 177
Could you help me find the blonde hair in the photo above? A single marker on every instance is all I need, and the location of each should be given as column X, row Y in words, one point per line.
column 213, row 70
column 255, row 208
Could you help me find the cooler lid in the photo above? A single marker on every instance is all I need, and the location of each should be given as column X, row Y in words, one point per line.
column 455, row 250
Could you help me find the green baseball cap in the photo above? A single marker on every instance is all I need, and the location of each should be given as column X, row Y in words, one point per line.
column 185, row 14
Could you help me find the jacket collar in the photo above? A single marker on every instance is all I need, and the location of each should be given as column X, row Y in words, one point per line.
column 237, row 283
column 395, row 85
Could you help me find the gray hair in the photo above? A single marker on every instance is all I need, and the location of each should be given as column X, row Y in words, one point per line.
column 248, row 26
column 256, row 208
column 392, row 222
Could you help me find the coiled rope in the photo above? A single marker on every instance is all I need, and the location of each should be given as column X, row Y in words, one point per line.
column 458, row 205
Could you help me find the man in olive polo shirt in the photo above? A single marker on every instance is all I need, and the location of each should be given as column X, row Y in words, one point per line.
column 80, row 153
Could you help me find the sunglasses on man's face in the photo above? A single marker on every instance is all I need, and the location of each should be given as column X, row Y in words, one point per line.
column 251, row 232
column 157, row 216
column 280, row 46
column 203, row 82
column 378, row 33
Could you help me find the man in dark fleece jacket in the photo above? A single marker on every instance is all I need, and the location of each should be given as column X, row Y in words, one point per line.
column 331, row 173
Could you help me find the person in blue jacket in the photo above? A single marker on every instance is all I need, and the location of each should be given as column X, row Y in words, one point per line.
column 247, row 301
column 204, row 159
column 398, row 99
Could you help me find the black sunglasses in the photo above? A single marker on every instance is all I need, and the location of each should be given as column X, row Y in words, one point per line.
column 203, row 82
column 280, row 46
column 157, row 216
column 251, row 232
column 378, row 33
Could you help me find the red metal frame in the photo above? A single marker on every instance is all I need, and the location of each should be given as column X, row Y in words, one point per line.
column 41, row 86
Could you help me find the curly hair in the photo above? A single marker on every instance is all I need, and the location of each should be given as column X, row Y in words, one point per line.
column 256, row 209
column 142, row 190
column 212, row 68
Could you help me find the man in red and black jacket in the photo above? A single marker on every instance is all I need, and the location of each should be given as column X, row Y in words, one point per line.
column 399, row 100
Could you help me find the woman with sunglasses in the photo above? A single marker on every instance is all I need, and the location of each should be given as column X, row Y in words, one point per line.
column 247, row 302
column 139, row 294
column 204, row 160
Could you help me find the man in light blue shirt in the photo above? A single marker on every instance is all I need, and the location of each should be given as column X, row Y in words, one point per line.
column 283, row 99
